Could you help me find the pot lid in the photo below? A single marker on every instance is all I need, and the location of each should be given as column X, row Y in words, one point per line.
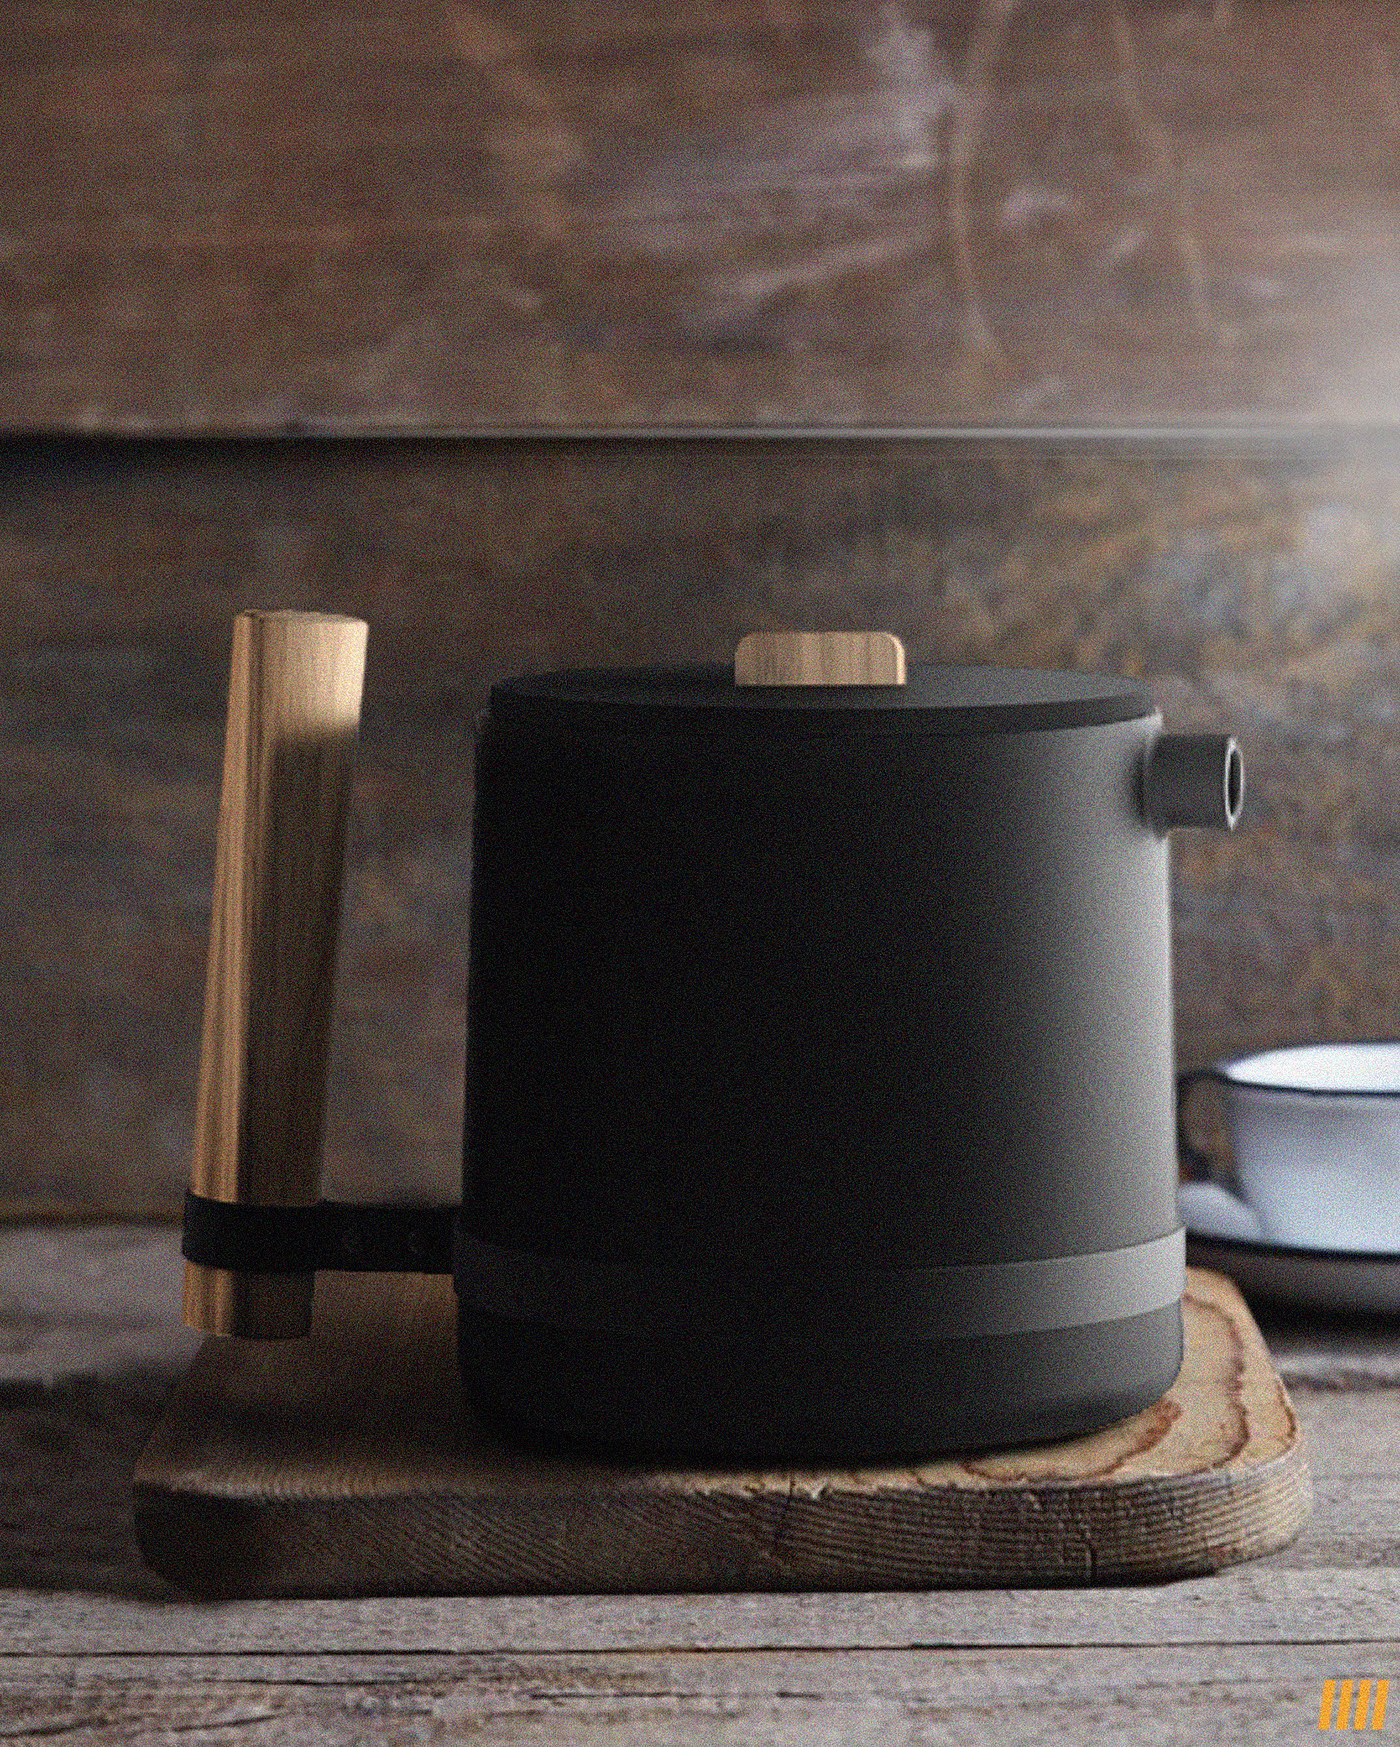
column 938, row 698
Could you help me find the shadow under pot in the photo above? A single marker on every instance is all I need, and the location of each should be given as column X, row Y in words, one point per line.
column 820, row 1065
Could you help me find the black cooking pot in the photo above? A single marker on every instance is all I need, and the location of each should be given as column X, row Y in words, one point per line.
column 820, row 1062
column 820, row 1055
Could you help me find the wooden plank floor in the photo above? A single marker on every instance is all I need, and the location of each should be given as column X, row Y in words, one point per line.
column 94, row 1648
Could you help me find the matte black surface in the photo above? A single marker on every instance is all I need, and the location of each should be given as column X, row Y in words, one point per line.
column 704, row 699
column 904, row 1001
column 810, row 1399
column 340, row 1236
column 818, row 1000
column 658, row 1298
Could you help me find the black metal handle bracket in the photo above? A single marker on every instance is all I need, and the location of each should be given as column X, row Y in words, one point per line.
column 329, row 1236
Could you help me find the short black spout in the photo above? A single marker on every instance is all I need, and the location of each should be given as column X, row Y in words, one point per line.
column 1193, row 779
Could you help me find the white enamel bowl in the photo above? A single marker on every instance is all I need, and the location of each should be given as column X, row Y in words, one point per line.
column 1316, row 1136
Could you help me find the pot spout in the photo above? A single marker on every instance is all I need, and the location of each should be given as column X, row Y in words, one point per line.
column 1193, row 779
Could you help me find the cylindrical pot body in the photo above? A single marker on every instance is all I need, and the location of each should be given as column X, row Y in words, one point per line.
column 820, row 1065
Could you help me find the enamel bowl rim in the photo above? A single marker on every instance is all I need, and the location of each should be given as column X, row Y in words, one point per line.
column 1291, row 1070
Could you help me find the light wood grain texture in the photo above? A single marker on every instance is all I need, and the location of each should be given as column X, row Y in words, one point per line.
column 819, row 658
column 915, row 1696
column 1259, row 1604
column 347, row 1464
column 295, row 685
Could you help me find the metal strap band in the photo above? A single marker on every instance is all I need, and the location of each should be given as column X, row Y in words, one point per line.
column 329, row 1235
column 993, row 1298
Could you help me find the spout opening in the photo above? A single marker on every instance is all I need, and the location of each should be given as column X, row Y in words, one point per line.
column 1193, row 779
column 1234, row 785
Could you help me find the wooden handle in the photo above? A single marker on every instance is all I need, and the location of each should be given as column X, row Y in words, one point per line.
column 295, row 683
column 819, row 658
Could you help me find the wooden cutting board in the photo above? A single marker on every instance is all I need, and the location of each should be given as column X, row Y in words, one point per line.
column 345, row 1463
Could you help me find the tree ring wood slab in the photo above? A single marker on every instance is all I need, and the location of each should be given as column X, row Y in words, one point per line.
column 346, row 1463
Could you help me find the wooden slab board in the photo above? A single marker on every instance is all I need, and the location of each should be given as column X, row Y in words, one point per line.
column 346, row 1463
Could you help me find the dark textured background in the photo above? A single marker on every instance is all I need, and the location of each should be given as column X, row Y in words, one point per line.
column 1254, row 587
column 220, row 215
column 360, row 219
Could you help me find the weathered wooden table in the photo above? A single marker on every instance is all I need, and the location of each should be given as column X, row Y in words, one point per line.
column 95, row 1648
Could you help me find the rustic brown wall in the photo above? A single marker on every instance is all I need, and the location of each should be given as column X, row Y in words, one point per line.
column 354, row 218
column 1255, row 588
column 358, row 215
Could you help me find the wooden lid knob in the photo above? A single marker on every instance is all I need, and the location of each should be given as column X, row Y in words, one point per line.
column 819, row 658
